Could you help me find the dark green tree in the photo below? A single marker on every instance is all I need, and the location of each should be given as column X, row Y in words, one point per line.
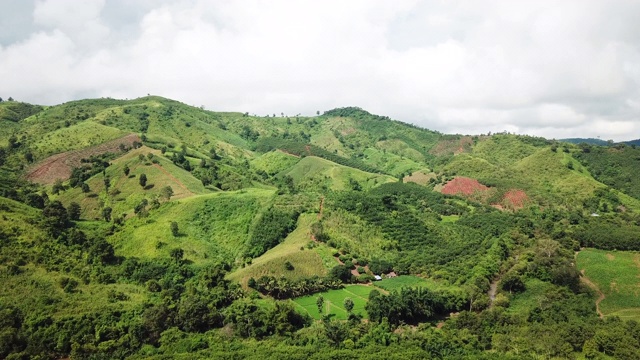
column 142, row 180
column 175, row 231
column 320, row 304
column 126, row 170
column 85, row 187
column 74, row 211
column 106, row 214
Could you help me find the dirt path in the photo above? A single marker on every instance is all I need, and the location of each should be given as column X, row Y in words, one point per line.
column 493, row 288
column 170, row 176
column 601, row 296
column 321, row 207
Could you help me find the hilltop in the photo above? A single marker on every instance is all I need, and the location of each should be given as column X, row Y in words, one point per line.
column 151, row 228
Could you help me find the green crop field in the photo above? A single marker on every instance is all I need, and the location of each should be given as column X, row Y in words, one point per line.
column 617, row 275
column 334, row 302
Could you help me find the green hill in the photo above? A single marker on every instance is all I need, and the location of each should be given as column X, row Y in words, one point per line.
column 148, row 228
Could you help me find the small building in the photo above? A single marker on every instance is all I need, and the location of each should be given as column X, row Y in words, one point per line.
column 595, row 214
column 377, row 277
column 391, row 275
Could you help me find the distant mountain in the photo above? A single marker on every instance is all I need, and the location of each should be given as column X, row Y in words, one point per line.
column 591, row 141
column 633, row 142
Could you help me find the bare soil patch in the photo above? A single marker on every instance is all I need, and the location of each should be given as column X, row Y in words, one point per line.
column 515, row 199
column 463, row 186
column 59, row 166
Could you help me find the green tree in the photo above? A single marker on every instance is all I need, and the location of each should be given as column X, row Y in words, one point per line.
column 320, row 303
column 177, row 254
column 143, row 180
column 85, row 187
column 28, row 156
column 348, row 304
column 74, row 211
column 107, row 183
column 175, row 231
column 106, row 214
column 167, row 192
column 126, row 170
column 57, row 187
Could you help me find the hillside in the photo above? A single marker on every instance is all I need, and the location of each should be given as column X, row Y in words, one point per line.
column 148, row 228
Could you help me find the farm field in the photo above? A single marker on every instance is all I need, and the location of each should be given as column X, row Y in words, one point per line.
column 334, row 299
column 334, row 302
column 617, row 276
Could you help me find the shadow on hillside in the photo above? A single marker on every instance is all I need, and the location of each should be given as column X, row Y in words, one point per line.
column 149, row 187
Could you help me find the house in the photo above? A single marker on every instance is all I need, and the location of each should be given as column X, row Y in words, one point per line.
column 595, row 214
column 391, row 275
column 377, row 277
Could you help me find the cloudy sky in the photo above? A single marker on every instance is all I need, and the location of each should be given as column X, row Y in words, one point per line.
column 550, row 68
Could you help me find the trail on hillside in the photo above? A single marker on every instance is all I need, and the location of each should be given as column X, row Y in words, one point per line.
column 173, row 178
column 601, row 296
column 493, row 288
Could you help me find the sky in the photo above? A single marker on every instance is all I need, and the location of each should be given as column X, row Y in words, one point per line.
column 556, row 69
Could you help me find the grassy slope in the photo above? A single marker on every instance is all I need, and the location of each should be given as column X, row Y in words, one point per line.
column 274, row 162
column 35, row 287
column 212, row 227
column 165, row 173
column 313, row 172
column 617, row 275
column 306, row 262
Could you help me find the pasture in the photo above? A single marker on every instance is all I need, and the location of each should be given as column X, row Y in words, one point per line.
column 617, row 275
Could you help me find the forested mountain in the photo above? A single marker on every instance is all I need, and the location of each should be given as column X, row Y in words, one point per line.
column 148, row 228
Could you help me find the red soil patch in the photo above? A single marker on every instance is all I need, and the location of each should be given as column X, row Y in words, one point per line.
column 515, row 199
column 59, row 166
column 463, row 186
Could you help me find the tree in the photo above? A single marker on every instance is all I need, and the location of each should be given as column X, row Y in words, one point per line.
column 57, row 187
column 320, row 303
column 57, row 217
column 174, row 228
column 167, row 192
column 74, row 211
column 143, row 180
column 107, row 183
column 126, row 170
column 28, row 156
column 106, row 214
column 10, row 98
column 348, row 304
column 85, row 187
column 177, row 254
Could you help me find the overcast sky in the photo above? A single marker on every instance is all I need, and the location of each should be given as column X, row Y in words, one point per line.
column 550, row 68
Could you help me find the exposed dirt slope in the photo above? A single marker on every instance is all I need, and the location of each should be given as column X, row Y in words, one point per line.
column 59, row 166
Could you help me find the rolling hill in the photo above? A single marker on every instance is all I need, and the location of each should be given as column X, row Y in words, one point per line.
column 148, row 228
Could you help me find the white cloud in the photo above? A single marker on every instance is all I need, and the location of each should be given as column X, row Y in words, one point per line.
column 538, row 67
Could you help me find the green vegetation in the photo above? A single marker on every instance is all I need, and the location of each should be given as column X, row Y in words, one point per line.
column 617, row 276
column 333, row 304
column 153, row 229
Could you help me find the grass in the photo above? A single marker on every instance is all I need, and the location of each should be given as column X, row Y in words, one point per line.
column 334, row 302
column 274, row 162
column 314, row 173
column 306, row 262
column 75, row 137
column 526, row 301
column 213, row 227
column 125, row 192
column 617, row 275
